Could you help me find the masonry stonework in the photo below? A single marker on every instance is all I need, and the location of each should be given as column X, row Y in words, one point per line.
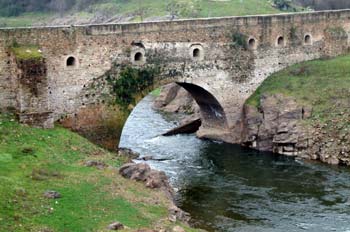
column 230, row 72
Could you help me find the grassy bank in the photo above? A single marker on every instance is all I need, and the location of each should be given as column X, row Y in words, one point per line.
column 196, row 8
column 25, row 20
column 323, row 85
column 33, row 161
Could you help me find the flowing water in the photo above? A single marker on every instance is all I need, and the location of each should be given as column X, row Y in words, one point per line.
column 228, row 188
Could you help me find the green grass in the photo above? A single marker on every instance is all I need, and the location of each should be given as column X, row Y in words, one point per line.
column 29, row 52
column 207, row 8
column 35, row 160
column 322, row 84
column 236, row 7
column 155, row 8
column 24, row 20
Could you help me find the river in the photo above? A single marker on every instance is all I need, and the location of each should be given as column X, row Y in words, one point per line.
column 228, row 188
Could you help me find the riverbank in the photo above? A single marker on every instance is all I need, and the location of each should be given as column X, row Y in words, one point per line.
column 303, row 111
column 228, row 187
column 91, row 193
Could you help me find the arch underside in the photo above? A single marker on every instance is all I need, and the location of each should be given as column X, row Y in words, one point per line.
column 212, row 113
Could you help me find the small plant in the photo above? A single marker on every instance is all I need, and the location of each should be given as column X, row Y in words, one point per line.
column 283, row 4
column 293, row 35
column 239, row 40
column 130, row 82
column 26, row 52
column 27, row 151
column 15, row 44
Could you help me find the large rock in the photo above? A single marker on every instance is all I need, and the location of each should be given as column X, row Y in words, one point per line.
column 175, row 99
column 52, row 194
column 186, row 128
column 128, row 153
column 96, row 163
column 115, row 226
column 151, row 178
column 138, row 172
column 178, row 229
column 177, row 214
column 182, row 103
column 275, row 126
column 167, row 94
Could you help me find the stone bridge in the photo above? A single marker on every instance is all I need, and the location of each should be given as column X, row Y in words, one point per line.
column 220, row 61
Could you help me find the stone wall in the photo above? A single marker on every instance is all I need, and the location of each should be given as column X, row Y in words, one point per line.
column 8, row 83
column 229, row 72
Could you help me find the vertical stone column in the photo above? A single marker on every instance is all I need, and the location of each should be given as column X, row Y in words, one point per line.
column 32, row 96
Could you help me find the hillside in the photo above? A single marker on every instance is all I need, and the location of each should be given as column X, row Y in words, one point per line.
column 33, row 161
column 16, row 13
column 138, row 10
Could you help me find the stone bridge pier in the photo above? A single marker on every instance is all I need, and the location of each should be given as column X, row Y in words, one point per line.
column 220, row 61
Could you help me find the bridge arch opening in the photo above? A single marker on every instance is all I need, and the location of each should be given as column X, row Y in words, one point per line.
column 196, row 53
column 280, row 41
column 138, row 57
column 307, row 39
column 71, row 61
column 252, row 44
column 212, row 115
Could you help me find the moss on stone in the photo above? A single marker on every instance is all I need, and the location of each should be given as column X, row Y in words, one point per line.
column 26, row 52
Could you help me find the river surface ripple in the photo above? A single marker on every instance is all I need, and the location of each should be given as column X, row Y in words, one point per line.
column 228, row 188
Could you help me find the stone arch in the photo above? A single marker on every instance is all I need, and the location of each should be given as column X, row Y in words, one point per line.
column 280, row 42
column 213, row 117
column 138, row 57
column 197, row 52
column 212, row 113
column 252, row 43
column 71, row 61
column 307, row 39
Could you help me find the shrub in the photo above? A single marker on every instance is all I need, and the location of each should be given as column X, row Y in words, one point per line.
column 239, row 40
column 130, row 82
